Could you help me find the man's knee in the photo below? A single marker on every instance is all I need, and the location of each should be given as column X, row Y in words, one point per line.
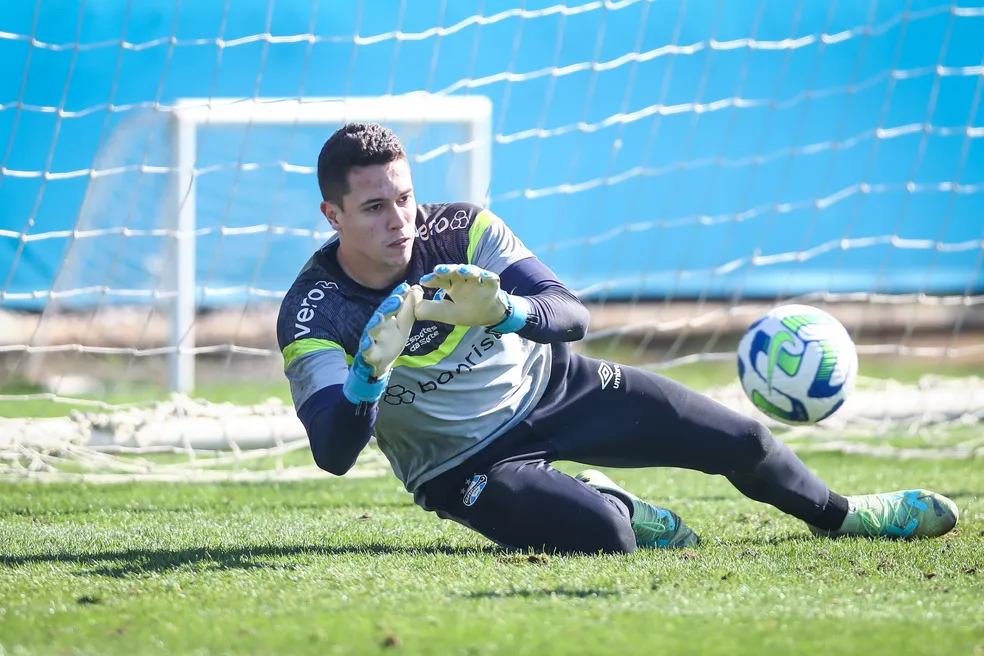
column 757, row 442
column 614, row 536
column 550, row 512
column 600, row 534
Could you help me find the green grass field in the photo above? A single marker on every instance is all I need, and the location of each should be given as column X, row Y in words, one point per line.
column 352, row 566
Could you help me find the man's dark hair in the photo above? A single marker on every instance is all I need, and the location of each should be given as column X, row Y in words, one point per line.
column 354, row 144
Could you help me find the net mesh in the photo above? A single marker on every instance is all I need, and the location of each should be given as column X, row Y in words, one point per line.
column 682, row 166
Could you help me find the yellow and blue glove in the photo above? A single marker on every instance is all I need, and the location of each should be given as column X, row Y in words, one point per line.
column 471, row 296
column 382, row 342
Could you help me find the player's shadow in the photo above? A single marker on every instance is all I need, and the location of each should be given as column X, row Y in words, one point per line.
column 571, row 593
column 340, row 508
column 961, row 494
column 136, row 562
column 760, row 541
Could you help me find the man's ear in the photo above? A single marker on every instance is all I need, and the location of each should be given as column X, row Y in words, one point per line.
column 331, row 212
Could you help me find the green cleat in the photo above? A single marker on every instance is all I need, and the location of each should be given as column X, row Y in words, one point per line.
column 654, row 527
column 902, row 515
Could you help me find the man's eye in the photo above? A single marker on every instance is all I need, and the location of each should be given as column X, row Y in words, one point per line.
column 374, row 208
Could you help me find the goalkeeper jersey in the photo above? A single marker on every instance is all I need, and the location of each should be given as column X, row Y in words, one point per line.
column 454, row 389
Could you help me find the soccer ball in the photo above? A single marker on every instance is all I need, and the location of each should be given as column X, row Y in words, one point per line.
column 797, row 364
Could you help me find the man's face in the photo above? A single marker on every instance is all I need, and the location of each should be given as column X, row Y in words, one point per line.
column 375, row 222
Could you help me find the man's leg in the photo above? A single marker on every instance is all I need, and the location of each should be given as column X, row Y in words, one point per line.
column 618, row 416
column 625, row 417
column 527, row 504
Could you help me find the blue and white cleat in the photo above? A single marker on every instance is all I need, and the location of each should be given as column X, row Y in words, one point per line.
column 654, row 527
column 902, row 515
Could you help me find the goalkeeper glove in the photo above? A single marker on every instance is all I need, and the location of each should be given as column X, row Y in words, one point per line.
column 476, row 299
column 382, row 341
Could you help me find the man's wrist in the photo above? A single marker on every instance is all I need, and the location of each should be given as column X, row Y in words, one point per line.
column 517, row 313
column 361, row 386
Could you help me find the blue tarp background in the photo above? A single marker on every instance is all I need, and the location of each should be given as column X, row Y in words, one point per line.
column 643, row 183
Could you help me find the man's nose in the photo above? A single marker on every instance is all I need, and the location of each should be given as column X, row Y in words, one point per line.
column 395, row 219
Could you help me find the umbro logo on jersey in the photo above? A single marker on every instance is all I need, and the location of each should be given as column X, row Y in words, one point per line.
column 610, row 374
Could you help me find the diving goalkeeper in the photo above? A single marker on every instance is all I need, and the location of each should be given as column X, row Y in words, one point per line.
column 435, row 329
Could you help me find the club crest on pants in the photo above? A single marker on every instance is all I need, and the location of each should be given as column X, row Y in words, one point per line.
column 475, row 487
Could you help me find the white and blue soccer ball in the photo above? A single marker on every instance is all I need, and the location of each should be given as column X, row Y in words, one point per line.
column 797, row 364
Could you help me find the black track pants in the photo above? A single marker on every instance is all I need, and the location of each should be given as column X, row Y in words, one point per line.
column 603, row 414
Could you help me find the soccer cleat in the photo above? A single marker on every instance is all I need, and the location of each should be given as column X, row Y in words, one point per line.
column 902, row 515
column 654, row 527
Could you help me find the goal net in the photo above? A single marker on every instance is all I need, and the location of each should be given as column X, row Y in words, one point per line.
column 683, row 166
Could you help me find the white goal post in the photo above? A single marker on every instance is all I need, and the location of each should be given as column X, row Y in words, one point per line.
column 473, row 113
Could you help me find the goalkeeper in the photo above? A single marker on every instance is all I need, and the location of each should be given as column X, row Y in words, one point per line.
column 435, row 329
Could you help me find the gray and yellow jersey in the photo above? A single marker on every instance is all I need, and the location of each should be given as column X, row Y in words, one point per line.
column 454, row 389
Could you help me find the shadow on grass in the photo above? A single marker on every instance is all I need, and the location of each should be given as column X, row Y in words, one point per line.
column 135, row 562
column 533, row 594
column 328, row 507
column 772, row 539
column 962, row 494
column 706, row 497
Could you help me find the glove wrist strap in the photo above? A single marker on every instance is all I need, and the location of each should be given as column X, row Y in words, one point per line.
column 360, row 386
column 517, row 314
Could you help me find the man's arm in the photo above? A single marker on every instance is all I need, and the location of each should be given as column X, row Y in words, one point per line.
column 555, row 314
column 337, row 404
column 337, row 429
